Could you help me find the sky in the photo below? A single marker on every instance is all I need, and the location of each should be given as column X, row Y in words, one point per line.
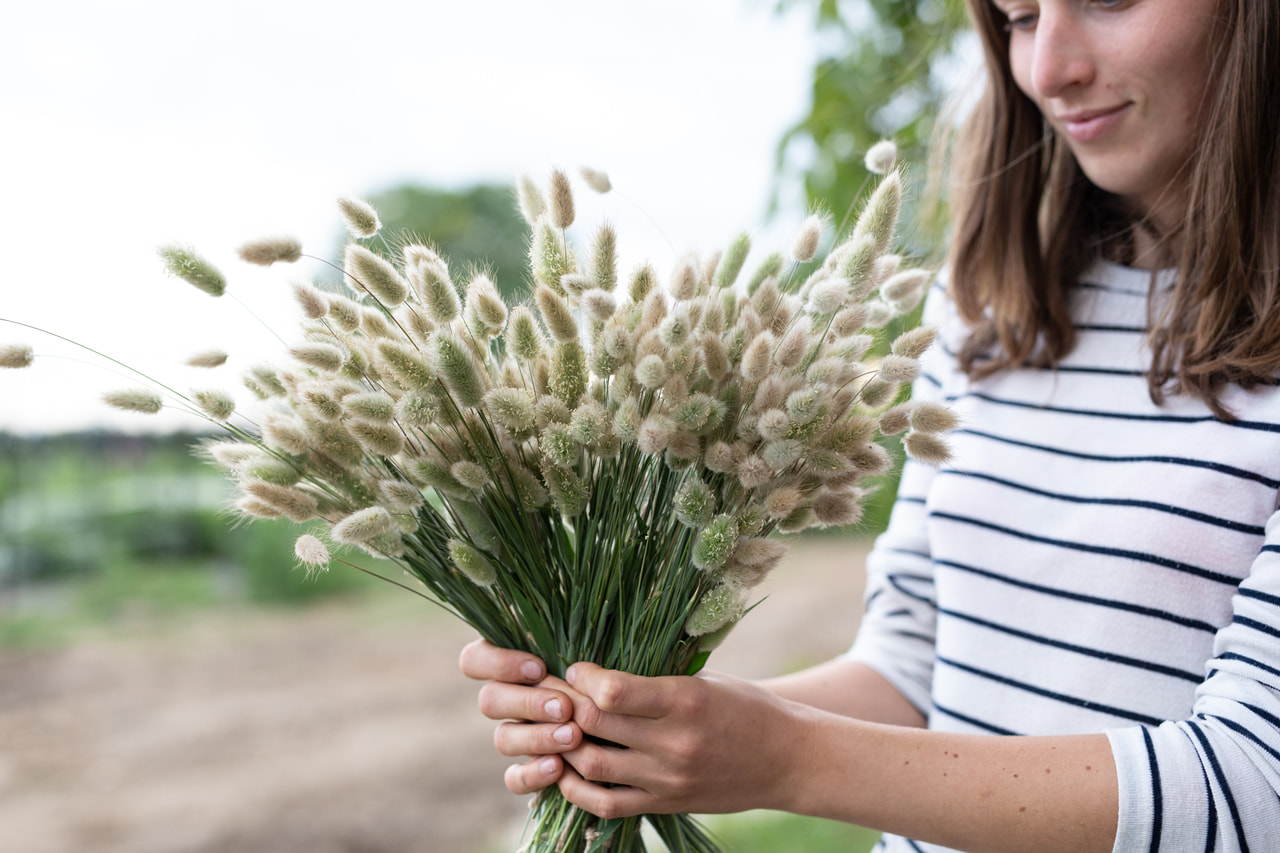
column 140, row 122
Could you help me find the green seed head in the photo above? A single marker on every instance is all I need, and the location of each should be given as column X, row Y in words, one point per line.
column 185, row 263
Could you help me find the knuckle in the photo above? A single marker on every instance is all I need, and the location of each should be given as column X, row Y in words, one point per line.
column 685, row 749
column 612, row 693
column 590, row 765
column 588, row 715
column 604, row 808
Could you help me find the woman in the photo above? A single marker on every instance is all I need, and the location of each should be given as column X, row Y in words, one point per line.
column 1098, row 569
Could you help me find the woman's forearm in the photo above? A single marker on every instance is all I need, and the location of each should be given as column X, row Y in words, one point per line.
column 971, row 792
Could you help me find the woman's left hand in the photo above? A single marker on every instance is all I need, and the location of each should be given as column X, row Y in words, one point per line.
column 706, row 744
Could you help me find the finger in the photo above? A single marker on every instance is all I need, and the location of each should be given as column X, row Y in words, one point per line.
column 617, row 692
column 606, row 803
column 501, row 701
column 484, row 661
column 536, row 738
column 533, row 776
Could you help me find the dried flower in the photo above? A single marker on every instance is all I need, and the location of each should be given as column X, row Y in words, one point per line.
column 556, row 314
column 185, row 263
column 323, row 357
column 485, row 303
column 754, row 471
column 569, row 372
column 406, row 364
column 529, row 196
column 208, row 359
column 524, row 337
column 560, row 199
column 311, row 553
column 604, row 258
column 458, row 369
column 344, row 313
column 294, row 504
column 837, row 508
column 597, row 180
column 134, row 400
column 880, row 217
column 732, row 261
column 511, row 409
column 914, row 342
column 716, row 542
column 684, row 280
column 16, row 356
column 370, row 406
column 268, row 251
column 362, row 220
column 472, row 563
column 218, row 405
column 881, row 157
column 926, row 447
column 599, row 305
column 400, row 495
column 643, row 282
column 694, row 504
column 365, row 525
column 654, row 434
column 470, row 475
column 896, row 419
column 768, row 269
column 808, row 237
column 313, row 303
column 933, row 417
column 897, row 368
column 374, row 275
column 721, row 606
column 385, row 439
column 782, row 502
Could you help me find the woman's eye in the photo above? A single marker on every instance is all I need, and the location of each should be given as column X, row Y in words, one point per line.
column 1021, row 22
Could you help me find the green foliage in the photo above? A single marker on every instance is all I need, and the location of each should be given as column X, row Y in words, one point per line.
column 107, row 526
column 769, row 832
column 878, row 80
column 478, row 228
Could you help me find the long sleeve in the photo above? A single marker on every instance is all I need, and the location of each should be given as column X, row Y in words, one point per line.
column 1212, row 782
column 1092, row 561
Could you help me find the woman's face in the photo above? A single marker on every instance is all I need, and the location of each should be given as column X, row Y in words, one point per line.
column 1124, row 82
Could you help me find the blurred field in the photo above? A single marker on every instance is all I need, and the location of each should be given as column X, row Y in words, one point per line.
column 164, row 688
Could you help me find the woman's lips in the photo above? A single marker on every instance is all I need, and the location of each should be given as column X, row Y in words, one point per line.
column 1090, row 125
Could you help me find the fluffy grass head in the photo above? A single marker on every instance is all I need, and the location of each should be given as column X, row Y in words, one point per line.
column 185, row 263
column 15, row 356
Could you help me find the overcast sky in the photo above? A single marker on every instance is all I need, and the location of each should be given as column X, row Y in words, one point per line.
column 137, row 122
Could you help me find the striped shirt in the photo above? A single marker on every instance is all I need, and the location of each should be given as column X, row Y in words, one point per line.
column 1092, row 562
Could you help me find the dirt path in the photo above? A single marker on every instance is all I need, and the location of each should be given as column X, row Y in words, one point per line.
column 340, row 729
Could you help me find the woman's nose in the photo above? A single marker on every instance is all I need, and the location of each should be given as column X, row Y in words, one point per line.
column 1063, row 56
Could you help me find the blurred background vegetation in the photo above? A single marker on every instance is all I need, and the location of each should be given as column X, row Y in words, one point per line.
column 100, row 530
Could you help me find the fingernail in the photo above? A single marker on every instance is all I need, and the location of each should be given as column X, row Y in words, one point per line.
column 531, row 670
column 564, row 734
column 553, row 709
column 548, row 766
column 572, row 674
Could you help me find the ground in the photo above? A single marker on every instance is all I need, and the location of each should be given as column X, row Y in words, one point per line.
column 343, row 728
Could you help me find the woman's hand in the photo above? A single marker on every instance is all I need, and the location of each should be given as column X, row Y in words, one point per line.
column 541, row 709
column 704, row 744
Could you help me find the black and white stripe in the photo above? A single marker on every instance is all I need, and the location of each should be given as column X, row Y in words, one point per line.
column 1091, row 562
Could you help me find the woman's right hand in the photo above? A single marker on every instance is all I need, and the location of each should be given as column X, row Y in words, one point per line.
column 537, row 712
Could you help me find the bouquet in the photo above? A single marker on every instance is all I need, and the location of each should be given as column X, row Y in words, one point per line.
column 593, row 474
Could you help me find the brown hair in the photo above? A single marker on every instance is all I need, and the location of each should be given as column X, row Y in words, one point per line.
column 1027, row 223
